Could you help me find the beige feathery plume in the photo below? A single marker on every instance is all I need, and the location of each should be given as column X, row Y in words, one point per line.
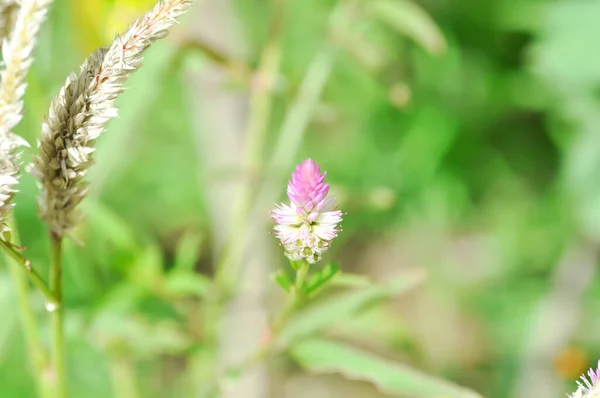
column 79, row 113
column 17, row 55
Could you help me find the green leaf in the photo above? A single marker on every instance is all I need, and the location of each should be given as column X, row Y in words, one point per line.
column 188, row 250
column 346, row 279
column 411, row 20
column 339, row 307
column 187, row 283
column 296, row 265
column 145, row 337
column 392, row 332
column 320, row 279
column 392, row 378
column 283, row 280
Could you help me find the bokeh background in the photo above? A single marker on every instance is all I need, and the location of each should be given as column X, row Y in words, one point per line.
column 461, row 136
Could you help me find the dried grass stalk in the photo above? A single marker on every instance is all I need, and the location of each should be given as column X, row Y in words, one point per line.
column 17, row 55
column 78, row 115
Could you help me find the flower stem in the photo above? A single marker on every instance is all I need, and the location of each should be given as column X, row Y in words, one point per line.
column 58, row 355
column 296, row 119
column 301, row 274
column 295, row 299
column 25, row 264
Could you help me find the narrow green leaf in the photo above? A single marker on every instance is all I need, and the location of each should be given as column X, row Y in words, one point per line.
column 296, row 265
column 323, row 314
column 187, row 283
column 411, row 20
column 283, row 280
column 346, row 279
column 392, row 332
column 320, row 279
column 188, row 250
column 144, row 337
column 392, row 378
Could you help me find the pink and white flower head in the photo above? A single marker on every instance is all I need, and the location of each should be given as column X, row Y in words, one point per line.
column 589, row 387
column 309, row 223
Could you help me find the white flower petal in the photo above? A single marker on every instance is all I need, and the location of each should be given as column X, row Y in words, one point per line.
column 326, row 233
column 330, row 217
column 283, row 214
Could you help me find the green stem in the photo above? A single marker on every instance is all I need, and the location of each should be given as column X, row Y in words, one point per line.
column 58, row 354
column 301, row 275
column 294, row 301
column 25, row 264
column 37, row 355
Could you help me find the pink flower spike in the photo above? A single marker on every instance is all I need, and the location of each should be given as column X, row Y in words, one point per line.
column 307, row 188
column 308, row 225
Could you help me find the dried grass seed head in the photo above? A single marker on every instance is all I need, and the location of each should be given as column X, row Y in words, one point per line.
column 17, row 54
column 80, row 112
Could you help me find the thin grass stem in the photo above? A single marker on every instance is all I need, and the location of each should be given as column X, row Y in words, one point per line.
column 34, row 276
column 38, row 357
column 58, row 349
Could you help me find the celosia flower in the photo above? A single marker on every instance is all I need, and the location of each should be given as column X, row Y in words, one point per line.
column 590, row 387
column 309, row 223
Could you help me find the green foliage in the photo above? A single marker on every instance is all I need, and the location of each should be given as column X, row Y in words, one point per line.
column 460, row 136
column 411, row 20
column 8, row 322
column 188, row 252
column 322, row 315
column 283, row 280
column 320, row 279
column 324, row 356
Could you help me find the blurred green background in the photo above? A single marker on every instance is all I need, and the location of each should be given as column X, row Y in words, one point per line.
column 474, row 155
